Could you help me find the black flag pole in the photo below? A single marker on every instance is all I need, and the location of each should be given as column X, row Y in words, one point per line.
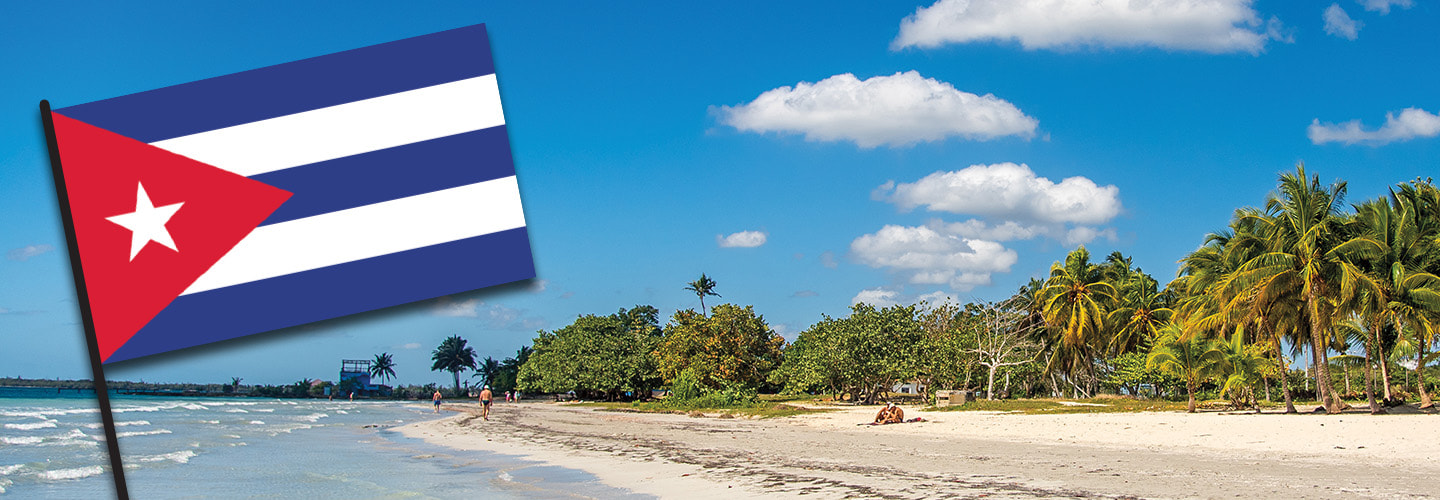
column 102, row 394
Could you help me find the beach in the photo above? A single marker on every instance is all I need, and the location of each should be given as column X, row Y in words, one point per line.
column 963, row 454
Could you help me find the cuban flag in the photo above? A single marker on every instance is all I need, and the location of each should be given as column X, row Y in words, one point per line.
column 289, row 194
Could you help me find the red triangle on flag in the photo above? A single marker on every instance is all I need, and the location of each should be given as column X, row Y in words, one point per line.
column 131, row 278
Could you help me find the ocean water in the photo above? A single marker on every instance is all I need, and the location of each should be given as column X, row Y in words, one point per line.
column 52, row 446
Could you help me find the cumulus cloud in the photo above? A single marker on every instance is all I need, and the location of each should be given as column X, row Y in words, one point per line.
column 1383, row 6
column 1213, row 26
column 1011, row 230
column 1411, row 123
column 1338, row 23
column 494, row 316
column 462, row 309
column 26, row 252
column 877, row 297
column 742, row 239
column 1011, row 202
column 897, row 110
column 925, row 256
column 1009, row 191
column 936, row 298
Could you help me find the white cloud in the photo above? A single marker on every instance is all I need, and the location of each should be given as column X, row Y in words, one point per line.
column 26, row 252
column 1213, row 26
column 1409, row 124
column 412, row 345
column 494, row 316
column 805, row 293
column 1383, row 6
column 1338, row 23
column 538, row 285
column 1008, row 191
column 877, row 297
column 827, row 259
column 462, row 309
column 936, row 298
column 742, row 239
column 1011, row 230
column 926, row 256
column 896, row 110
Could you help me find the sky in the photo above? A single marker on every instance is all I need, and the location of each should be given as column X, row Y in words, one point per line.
column 804, row 155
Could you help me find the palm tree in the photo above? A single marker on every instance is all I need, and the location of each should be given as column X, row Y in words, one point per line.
column 1241, row 365
column 1138, row 314
column 1302, row 222
column 702, row 287
column 383, row 367
column 1414, row 303
column 454, row 356
column 1073, row 304
column 1190, row 357
column 488, row 370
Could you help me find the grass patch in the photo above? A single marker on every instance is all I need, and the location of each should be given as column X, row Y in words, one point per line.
column 761, row 409
column 1054, row 406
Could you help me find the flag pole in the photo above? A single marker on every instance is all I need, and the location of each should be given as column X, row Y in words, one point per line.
column 102, row 394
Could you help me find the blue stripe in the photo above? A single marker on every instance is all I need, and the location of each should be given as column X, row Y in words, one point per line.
column 334, row 291
column 388, row 174
column 293, row 87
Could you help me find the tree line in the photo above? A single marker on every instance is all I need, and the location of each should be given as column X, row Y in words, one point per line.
column 1349, row 293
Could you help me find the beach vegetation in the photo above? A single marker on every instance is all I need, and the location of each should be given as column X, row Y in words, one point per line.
column 596, row 356
column 1191, row 357
column 702, row 287
column 455, row 356
column 859, row 357
column 732, row 347
column 383, row 367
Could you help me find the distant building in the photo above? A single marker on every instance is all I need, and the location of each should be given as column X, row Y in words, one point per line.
column 358, row 372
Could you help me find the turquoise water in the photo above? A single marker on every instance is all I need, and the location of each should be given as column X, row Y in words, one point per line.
column 51, row 446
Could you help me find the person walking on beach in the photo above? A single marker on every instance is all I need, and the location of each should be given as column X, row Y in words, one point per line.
column 485, row 403
column 436, row 398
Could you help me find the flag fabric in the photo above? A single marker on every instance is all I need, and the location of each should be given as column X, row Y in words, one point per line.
column 291, row 194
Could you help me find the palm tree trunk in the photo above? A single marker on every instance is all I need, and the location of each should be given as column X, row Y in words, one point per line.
column 1284, row 378
column 1190, row 388
column 1318, row 343
column 1384, row 371
column 1420, row 377
column 457, row 382
column 1375, row 409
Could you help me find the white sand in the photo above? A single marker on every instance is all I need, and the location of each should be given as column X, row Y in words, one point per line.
column 967, row 454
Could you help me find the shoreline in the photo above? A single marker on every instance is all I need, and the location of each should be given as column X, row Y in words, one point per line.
column 961, row 454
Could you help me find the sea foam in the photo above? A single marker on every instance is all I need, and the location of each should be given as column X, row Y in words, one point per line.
column 75, row 473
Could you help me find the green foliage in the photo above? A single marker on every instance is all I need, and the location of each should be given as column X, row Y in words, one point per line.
column 383, row 367
column 690, row 391
column 1193, row 358
column 454, row 356
column 860, row 355
column 595, row 355
column 702, row 287
column 733, row 346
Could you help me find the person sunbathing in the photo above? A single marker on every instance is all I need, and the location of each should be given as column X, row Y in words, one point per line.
column 890, row 414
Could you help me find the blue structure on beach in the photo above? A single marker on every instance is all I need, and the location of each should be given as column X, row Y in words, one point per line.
column 358, row 372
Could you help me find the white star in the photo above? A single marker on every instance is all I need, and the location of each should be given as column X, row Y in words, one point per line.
column 147, row 223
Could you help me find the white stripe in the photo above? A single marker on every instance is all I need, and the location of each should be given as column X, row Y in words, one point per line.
column 368, row 231
column 346, row 129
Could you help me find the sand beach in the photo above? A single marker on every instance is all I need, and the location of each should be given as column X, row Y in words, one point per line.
column 964, row 454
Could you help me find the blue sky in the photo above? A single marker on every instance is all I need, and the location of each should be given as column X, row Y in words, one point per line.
column 645, row 132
